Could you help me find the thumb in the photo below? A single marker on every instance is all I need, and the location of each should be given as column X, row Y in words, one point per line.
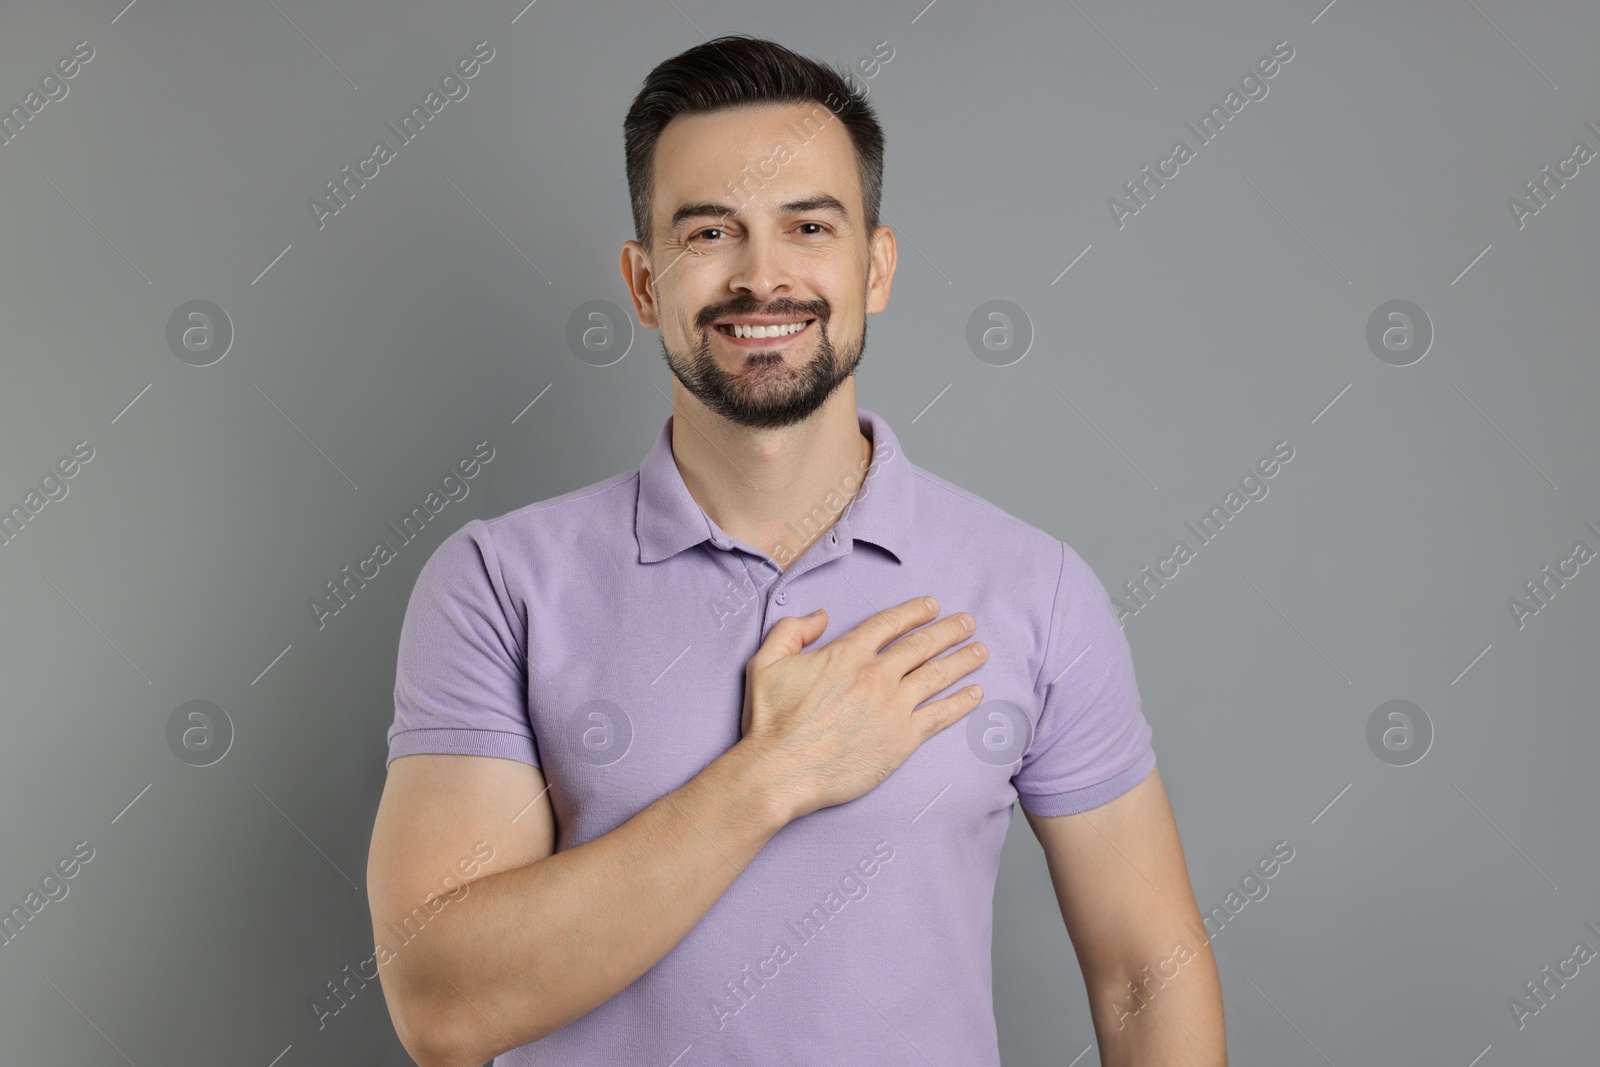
column 789, row 636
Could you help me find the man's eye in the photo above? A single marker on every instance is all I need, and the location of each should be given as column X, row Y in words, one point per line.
column 818, row 225
column 702, row 233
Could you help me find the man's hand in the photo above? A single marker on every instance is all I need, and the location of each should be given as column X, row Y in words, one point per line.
column 833, row 723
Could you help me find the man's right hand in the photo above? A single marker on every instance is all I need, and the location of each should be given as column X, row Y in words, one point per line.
column 833, row 723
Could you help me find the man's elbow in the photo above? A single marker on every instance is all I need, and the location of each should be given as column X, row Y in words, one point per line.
column 428, row 1035
column 446, row 1031
column 420, row 1038
column 1138, row 974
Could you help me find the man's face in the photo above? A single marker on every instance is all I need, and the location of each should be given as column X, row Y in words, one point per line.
column 758, row 219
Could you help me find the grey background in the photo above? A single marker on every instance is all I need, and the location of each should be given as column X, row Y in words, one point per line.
column 1230, row 313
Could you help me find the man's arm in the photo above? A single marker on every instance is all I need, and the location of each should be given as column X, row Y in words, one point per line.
column 547, row 936
column 542, row 937
column 1123, row 888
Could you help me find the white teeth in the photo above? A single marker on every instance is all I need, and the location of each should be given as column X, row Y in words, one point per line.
column 782, row 330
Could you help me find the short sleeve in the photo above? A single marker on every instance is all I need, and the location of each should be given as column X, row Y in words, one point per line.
column 1092, row 742
column 460, row 675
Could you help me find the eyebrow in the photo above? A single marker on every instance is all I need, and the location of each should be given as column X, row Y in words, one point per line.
column 710, row 209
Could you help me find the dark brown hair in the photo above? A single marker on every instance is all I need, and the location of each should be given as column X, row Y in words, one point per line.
column 742, row 71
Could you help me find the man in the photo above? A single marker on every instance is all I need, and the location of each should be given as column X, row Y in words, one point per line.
column 736, row 788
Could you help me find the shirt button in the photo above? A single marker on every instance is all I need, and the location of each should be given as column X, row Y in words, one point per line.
column 782, row 598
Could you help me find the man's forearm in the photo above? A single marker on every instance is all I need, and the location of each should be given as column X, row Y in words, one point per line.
column 535, row 947
column 1169, row 1012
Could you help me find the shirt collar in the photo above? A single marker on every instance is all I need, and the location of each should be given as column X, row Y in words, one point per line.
column 668, row 520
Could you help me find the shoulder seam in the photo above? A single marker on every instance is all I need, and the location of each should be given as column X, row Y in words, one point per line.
column 963, row 494
column 501, row 589
column 970, row 497
column 569, row 498
column 1050, row 631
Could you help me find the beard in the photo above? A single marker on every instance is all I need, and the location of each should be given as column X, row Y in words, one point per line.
column 766, row 393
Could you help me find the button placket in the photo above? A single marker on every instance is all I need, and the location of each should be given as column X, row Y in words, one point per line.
column 778, row 595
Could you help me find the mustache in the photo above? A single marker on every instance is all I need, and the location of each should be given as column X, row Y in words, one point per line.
column 801, row 309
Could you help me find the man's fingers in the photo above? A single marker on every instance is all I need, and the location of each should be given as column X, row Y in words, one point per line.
column 939, row 674
column 886, row 625
column 920, row 646
column 933, row 717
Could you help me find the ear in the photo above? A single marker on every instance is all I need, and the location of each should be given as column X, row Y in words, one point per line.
column 881, row 259
column 639, row 276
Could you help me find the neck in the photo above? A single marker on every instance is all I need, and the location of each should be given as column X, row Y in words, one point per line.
column 778, row 490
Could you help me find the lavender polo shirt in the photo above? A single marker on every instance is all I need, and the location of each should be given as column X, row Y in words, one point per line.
column 603, row 635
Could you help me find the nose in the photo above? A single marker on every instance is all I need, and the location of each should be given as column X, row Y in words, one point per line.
column 762, row 268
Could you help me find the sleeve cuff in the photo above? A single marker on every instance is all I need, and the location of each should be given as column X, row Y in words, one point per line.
column 457, row 741
column 1074, row 801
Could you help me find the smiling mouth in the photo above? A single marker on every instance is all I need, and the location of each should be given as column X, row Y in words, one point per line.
column 755, row 334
